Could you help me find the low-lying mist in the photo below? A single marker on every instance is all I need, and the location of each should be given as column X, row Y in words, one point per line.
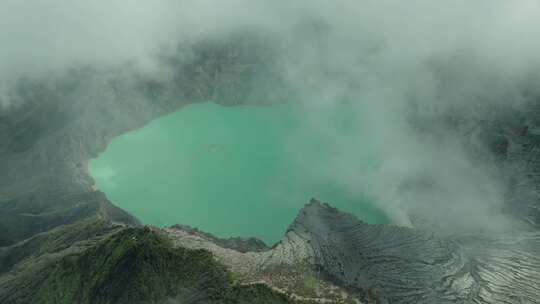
column 423, row 76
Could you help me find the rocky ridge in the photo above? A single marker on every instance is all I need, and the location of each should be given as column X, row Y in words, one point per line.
column 383, row 263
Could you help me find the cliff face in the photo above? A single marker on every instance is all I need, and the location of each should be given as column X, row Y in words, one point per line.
column 63, row 242
column 410, row 266
column 384, row 263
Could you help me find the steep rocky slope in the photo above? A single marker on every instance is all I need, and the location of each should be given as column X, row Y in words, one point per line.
column 386, row 263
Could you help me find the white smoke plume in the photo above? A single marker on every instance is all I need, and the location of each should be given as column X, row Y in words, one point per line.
column 405, row 63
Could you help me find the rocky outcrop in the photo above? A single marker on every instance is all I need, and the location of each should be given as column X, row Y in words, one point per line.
column 402, row 265
column 347, row 258
column 287, row 267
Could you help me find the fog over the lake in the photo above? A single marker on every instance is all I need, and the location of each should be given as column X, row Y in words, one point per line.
column 407, row 66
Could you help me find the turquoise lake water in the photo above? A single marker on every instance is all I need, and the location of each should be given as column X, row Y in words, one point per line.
column 238, row 171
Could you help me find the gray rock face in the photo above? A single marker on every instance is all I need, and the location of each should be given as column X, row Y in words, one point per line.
column 402, row 265
column 387, row 264
column 392, row 263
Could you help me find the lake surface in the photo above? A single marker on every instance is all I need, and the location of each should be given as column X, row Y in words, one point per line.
column 239, row 171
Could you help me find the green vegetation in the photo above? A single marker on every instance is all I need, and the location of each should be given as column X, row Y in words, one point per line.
column 135, row 265
column 257, row 293
column 54, row 241
column 311, row 282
